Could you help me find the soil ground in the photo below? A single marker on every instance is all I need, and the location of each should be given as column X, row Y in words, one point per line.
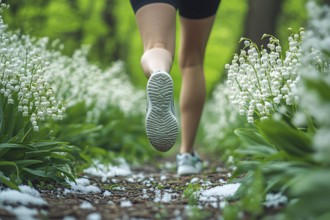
column 134, row 196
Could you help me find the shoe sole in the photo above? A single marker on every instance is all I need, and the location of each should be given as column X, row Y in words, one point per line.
column 161, row 123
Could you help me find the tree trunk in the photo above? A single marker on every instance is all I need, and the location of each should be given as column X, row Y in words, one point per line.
column 110, row 19
column 261, row 18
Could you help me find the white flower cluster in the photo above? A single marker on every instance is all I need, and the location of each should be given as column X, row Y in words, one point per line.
column 315, row 70
column 262, row 81
column 76, row 80
column 22, row 82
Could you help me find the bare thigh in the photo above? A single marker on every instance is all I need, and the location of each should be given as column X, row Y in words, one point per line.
column 156, row 22
column 194, row 36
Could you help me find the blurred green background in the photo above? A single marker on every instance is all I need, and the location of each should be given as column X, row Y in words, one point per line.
column 109, row 27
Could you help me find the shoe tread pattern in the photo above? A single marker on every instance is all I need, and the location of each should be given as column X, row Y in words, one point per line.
column 161, row 123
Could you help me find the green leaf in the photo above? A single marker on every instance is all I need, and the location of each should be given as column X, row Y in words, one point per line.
column 26, row 163
column 50, row 174
column 9, row 122
column 64, row 158
column 67, row 174
column 11, row 164
column 15, row 145
column 252, row 200
column 15, row 154
column 7, row 182
column 282, row 136
column 38, row 172
column 2, row 117
column 257, row 151
column 10, row 145
column 37, row 154
column 40, row 144
column 312, row 181
column 231, row 212
column 251, row 136
column 245, row 183
column 10, row 151
column 319, row 86
column 74, row 131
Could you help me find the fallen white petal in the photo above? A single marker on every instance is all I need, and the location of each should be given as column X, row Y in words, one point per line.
column 221, row 191
column 125, row 204
column 16, row 197
column 86, row 205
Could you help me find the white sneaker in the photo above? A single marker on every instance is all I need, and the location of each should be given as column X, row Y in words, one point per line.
column 161, row 124
column 188, row 164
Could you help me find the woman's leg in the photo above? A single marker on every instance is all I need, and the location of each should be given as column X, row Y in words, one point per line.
column 156, row 23
column 194, row 37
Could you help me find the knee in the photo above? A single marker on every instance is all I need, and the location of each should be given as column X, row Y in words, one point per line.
column 190, row 58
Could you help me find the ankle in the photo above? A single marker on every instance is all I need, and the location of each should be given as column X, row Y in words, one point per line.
column 186, row 151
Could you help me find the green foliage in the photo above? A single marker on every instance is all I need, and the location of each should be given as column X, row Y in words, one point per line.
column 285, row 138
column 252, row 201
column 110, row 135
column 282, row 155
column 275, row 155
column 196, row 213
column 163, row 212
column 28, row 151
column 74, row 22
column 49, row 160
column 231, row 212
column 190, row 193
column 312, row 189
column 293, row 16
column 287, row 154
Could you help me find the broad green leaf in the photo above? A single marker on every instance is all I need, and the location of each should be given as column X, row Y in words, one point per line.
column 59, row 155
column 7, row 182
column 37, row 172
column 10, row 145
column 67, row 174
column 44, row 144
column 286, row 138
column 319, row 86
column 291, row 168
column 59, row 160
column 16, row 145
column 78, row 130
column 9, row 120
column 26, row 163
column 62, row 150
column 37, row 154
column 251, row 136
column 5, row 147
column 257, row 151
column 245, row 166
column 52, row 173
column 252, row 200
column 15, row 154
column 312, row 181
column 11, row 164
column 2, row 117
column 272, row 183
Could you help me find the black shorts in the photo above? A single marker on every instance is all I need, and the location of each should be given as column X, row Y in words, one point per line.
column 193, row 9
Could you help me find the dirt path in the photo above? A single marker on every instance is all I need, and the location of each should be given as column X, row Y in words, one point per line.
column 148, row 193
